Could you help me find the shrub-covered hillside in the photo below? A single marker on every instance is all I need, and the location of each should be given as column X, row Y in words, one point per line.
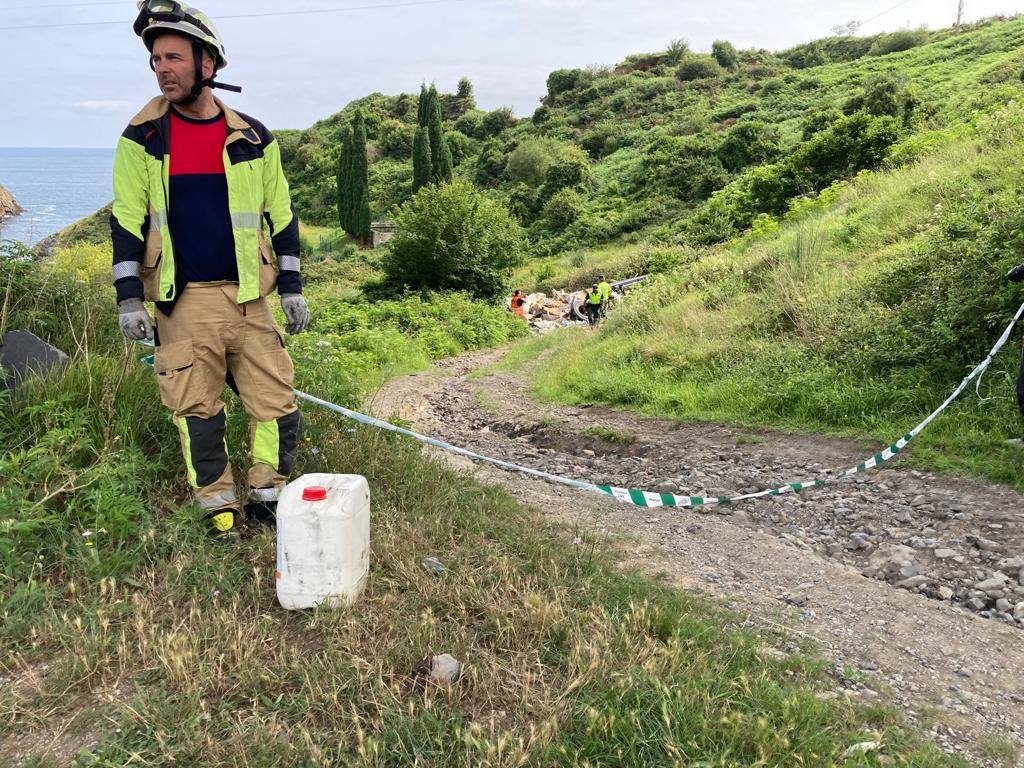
column 642, row 146
column 859, row 312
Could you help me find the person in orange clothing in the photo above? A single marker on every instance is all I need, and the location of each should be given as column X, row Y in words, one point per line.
column 519, row 303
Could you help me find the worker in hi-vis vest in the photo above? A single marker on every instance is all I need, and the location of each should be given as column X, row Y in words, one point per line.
column 594, row 304
column 203, row 226
column 606, row 294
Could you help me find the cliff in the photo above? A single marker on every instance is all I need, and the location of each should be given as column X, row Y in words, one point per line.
column 8, row 205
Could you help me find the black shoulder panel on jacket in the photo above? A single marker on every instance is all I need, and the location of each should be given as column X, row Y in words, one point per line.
column 146, row 136
column 137, row 133
column 261, row 130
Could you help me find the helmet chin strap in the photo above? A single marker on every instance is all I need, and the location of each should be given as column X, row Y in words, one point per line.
column 199, row 83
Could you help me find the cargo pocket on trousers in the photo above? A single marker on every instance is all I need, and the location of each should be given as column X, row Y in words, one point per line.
column 284, row 361
column 173, row 364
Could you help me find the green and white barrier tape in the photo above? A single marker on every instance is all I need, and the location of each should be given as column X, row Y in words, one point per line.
column 641, row 498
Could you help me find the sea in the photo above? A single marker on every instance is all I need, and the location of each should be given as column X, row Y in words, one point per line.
column 56, row 187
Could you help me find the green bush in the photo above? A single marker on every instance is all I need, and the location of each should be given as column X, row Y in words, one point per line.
column 750, row 142
column 806, row 56
column 697, row 67
column 686, row 167
column 459, row 145
column 497, row 121
column 562, row 80
column 451, row 237
column 725, row 54
column 901, row 40
column 390, row 186
column 438, row 324
column 857, row 142
column 572, row 170
column 886, row 94
column 562, row 209
column 818, row 121
column 522, row 203
column 490, row 164
column 528, row 162
column 394, row 138
column 471, row 124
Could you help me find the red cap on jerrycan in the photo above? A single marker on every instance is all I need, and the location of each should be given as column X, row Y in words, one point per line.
column 314, row 493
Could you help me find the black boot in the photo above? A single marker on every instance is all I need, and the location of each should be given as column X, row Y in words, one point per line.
column 215, row 526
column 261, row 513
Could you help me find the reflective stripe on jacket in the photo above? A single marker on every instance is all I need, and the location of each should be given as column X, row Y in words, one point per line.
column 144, row 264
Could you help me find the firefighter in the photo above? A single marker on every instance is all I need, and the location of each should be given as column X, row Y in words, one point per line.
column 606, row 294
column 204, row 227
column 594, row 299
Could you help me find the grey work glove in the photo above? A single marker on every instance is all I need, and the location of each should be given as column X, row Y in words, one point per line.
column 295, row 312
column 136, row 324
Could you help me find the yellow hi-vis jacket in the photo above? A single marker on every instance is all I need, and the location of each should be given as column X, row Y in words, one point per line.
column 605, row 290
column 144, row 265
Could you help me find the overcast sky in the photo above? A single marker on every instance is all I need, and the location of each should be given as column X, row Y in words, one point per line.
column 77, row 86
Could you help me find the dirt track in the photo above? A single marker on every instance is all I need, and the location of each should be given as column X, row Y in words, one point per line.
column 795, row 564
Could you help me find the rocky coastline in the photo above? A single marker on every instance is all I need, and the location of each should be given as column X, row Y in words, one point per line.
column 8, row 205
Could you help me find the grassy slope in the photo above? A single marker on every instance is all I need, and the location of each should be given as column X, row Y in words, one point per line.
column 121, row 625
column 859, row 314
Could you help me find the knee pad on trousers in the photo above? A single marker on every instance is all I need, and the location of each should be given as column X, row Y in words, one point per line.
column 205, row 452
column 275, row 442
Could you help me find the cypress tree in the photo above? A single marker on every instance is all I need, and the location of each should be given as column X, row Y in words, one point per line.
column 421, row 115
column 422, row 174
column 436, row 132
column 345, row 180
column 443, row 171
column 440, row 154
column 360, row 181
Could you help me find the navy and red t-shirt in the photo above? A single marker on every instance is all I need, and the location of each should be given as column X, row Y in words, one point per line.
column 199, row 218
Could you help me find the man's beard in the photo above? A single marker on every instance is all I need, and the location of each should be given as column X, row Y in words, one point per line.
column 186, row 94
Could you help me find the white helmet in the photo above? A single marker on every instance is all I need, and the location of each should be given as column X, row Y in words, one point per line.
column 158, row 16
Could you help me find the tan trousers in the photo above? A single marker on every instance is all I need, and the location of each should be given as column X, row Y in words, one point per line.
column 209, row 339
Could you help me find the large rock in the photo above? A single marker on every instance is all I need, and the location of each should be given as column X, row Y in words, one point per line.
column 892, row 562
column 994, row 583
column 8, row 205
column 23, row 353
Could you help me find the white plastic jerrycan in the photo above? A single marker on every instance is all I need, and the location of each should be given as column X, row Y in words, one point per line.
column 323, row 540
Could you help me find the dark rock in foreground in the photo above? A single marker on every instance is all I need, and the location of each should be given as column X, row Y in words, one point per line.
column 23, row 353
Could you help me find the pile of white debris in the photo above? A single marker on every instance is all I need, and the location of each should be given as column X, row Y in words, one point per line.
column 560, row 310
column 563, row 308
